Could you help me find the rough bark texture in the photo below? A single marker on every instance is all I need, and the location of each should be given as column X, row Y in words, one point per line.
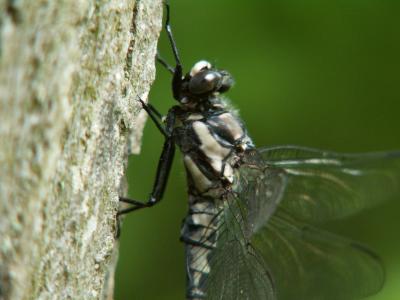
column 70, row 74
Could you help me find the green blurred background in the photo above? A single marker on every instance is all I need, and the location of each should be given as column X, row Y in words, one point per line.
column 314, row 73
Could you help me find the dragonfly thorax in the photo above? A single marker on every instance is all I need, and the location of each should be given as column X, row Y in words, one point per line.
column 212, row 143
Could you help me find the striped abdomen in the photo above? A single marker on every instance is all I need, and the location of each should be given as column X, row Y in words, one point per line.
column 199, row 233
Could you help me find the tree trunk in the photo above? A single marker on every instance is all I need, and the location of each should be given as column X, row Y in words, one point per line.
column 70, row 75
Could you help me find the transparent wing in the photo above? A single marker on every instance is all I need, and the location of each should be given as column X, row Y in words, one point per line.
column 237, row 271
column 307, row 263
column 287, row 259
column 325, row 186
column 265, row 248
column 260, row 188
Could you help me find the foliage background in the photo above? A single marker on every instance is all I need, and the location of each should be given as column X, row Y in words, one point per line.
column 315, row 73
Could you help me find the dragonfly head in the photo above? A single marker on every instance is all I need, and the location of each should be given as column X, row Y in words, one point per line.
column 204, row 81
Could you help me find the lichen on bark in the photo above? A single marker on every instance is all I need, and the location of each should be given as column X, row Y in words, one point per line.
column 70, row 74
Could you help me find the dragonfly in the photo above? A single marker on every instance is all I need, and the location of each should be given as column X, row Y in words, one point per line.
column 252, row 227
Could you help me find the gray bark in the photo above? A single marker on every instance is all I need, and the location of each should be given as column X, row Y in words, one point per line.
column 70, row 74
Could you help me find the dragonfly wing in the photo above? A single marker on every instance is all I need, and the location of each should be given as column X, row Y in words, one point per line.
column 325, row 186
column 237, row 273
column 236, row 270
column 307, row 263
column 260, row 189
column 265, row 247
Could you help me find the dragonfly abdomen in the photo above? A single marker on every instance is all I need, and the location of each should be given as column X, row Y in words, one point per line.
column 199, row 233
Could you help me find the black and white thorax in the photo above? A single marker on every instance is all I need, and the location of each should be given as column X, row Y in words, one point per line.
column 208, row 132
column 212, row 143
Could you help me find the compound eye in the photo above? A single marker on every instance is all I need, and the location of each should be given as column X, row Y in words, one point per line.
column 200, row 66
column 204, row 81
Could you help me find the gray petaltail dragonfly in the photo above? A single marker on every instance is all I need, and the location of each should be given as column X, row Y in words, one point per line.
column 251, row 229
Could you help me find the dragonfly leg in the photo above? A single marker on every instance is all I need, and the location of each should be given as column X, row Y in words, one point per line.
column 155, row 116
column 171, row 37
column 164, row 63
column 163, row 169
column 177, row 71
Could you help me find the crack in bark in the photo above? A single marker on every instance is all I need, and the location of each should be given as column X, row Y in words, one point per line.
column 128, row 60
